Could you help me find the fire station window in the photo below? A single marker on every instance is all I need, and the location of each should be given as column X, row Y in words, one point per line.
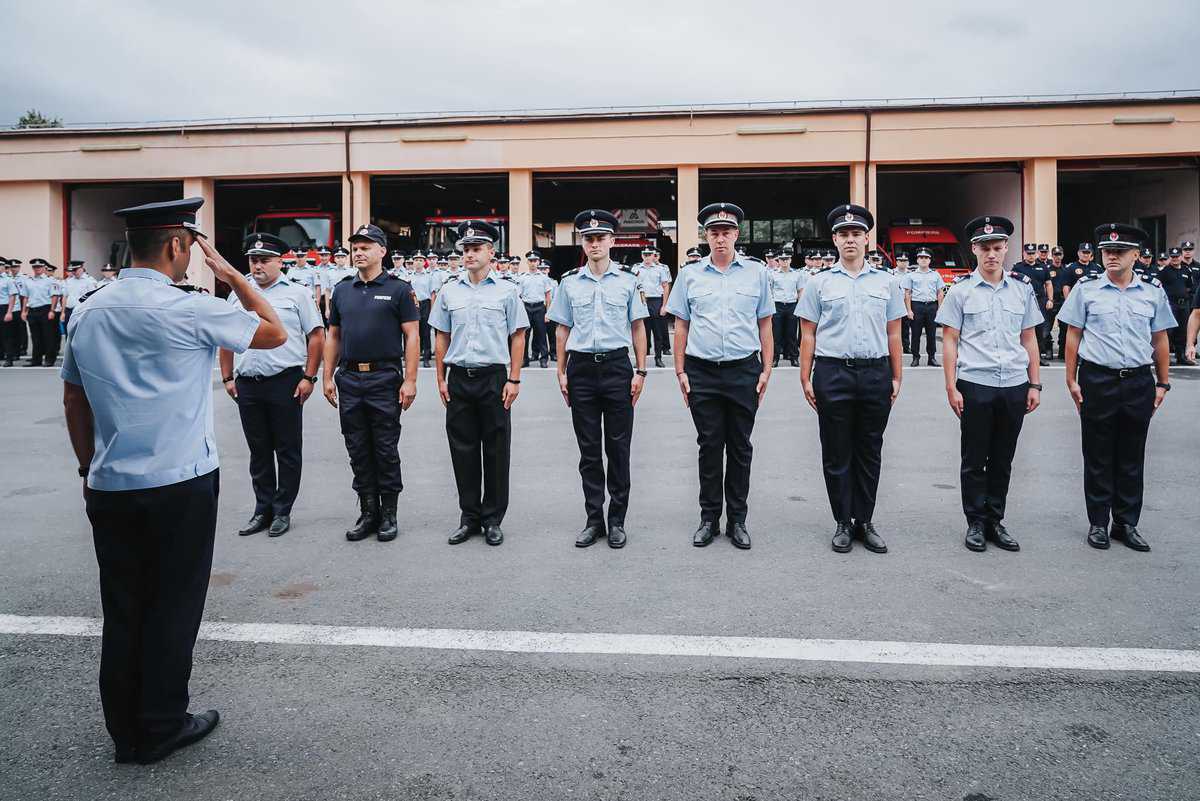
column 806, row 228
column 762, row 230
column 781, row 230
column 744, row 230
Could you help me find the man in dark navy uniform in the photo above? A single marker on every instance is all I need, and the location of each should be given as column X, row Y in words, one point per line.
column 1177, row 282
column 373, row 342
column 1039, row 276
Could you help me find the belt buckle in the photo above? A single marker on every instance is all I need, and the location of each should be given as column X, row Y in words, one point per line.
column 470, row 372
column 363, row 367
column 597, row 357
column 1124, row 372
column 851, row 362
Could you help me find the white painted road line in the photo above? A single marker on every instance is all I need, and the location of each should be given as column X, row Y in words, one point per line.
column 1153, row 660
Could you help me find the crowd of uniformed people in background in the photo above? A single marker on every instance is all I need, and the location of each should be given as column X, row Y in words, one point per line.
column 357, row 322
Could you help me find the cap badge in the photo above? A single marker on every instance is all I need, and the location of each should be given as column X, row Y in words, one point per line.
column 593, row 223
column 362, row 230
column 258, row 244
column 722, row 215
column 987, row 229
column 849, row 217
column 469, row 232
column 1114, row 236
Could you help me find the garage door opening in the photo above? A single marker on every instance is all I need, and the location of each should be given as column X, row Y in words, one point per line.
column 94, row 234
column 782, row 205
column 421, row 212
column 304, row 212
column 644, row 201
column 928, row 205
column 1161, row 196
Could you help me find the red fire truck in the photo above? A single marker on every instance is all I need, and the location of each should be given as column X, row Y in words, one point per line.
column 913, row 233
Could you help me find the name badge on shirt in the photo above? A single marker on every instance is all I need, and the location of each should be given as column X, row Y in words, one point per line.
column 383, row 297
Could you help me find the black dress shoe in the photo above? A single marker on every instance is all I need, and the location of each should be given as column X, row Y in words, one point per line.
column 1042, row 362
column 463, row 533
column 256, row 524
column 589, row 536
column 976, row 539
column 616, row 535
column 493, row 535
column 870, row 537
column 1097, row 537
column 194, row 729
column 1129, row 535
column 998, row 534
column 279, row 526
column 916, row 362
column 933, row 363
column 737, row 532
column 368, row 518
column 705, row 533
column 843, row 538
column 424, row 362
column 795, row 362
column 658, row 362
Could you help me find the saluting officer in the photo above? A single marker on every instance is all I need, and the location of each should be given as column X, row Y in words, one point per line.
column 271, row 386
column 600, row 314
column 990, row 341
column 481, row 325
column 372, row 343
column 724, row 348
column 922, row 297
column 655, row 286
column 1118, row 373
column 138, row 399
column 850, row 322
column 786, row 286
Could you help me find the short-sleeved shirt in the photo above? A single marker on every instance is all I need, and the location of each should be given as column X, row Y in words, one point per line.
column 786, row 285
column 534, row 287
column 1176, row 281
column 369, row 316
column 17, row 291
column 298, row 313
column 422, row 284
column 39, row 290
column 8, row 289
column 1117, row 323
column 990, row 320
column 76, row 288
column 722, row 308
column 599, row 310
column 479, row 318
column 851, row 312
column 923, row 284
column 143, row 351
column 301, row 276
column 651, row 281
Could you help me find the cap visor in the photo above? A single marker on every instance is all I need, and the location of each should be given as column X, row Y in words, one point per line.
column 986, row 238
column 195, row 229
column 854, row 224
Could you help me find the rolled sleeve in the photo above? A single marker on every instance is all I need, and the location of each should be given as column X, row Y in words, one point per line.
column 766, row 302
column 677, row 304
column 809, row 307
column 896, row 308
column 70, row 371
column 517, row 316
column 220, row 325
column 1074, row 313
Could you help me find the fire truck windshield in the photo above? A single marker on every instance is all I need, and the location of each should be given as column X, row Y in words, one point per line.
column 297, row 231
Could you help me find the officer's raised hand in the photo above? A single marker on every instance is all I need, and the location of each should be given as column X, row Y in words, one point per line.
column 408, row 393
column 216, row 262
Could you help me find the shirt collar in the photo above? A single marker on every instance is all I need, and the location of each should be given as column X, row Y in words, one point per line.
column 613, row 269
column 464, row 277
column 379, row 279
column 978, row 278
column 143, row 272
column 1134, row 283
column 706, row 263
column 839, row 267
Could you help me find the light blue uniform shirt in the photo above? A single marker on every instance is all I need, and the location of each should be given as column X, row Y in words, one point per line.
column 722, row 309
column 851, row 312
column 923, row 285
column 652, row 279
column 786, row 285
column 8, row 289
column 301, row 276
column 600, row 311
column 422, row 284
column 534, row 287
column 143, row 350
column 39, row 290
column 479, row 319
column 1117, row 323
column 990, row 320
column 298, row 312
column 439, row 277
column 17, row 290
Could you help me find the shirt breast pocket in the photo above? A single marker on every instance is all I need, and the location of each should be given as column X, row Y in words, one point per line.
column 615, row 305
column 1141, row 316
column 1014, row 314
column 834, row 303
column 492, row 314
column 582, row 308
column 876, row 303
column 704, row 301
column 1104, row 318
column 976, row 313
column 745, row 302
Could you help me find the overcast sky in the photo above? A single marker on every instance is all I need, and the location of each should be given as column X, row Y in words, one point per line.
column 138, row 60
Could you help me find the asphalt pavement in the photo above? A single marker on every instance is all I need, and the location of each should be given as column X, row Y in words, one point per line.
column 338, row 721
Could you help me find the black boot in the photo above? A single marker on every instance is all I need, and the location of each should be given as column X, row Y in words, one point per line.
column 368, row 518
column 387, row 517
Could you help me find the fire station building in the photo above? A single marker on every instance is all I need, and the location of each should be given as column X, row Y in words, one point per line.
column 1055, row 166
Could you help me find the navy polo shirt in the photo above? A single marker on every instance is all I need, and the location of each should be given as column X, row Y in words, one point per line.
column 369, row 315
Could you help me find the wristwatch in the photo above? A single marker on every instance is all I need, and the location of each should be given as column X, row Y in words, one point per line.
column 312, row 379
column 1163, row 384
column 511, row 381
column 226, row 379
column 1038, row 387
column 642, row 373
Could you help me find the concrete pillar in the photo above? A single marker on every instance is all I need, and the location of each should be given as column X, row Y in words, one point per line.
column 520, row 211
column 32, row 221
column 347, row 200
column 198, row 273
column 357, row 203
column 687, row 207
column 1040, row 218
column 873, row 203
column 858, row 183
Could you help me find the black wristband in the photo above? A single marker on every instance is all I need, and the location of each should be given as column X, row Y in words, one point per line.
column 1038, row 387
column 226, row 379
column 511, row 381
column 83, row 471
column 642, row 373
column 1162, row 385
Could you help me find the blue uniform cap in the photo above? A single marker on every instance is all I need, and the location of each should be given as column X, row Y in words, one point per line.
column 721, row 214
column 533, row 254
column 988, row 228
column 264, row 245
column 1030, row 248
column 475, row 232
column 1119, row 236
column 166, row 214
column 850, row 215
column 1187, row 245
column 596, row 221
column 1085, row 247
column 369, row 233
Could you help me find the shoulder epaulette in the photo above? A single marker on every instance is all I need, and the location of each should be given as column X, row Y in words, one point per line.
column 626, row 269
column 1092, row 277
column 1152, row 281
column 187, row 288
column 956, row 279
column 88, row 294
column 571, row 272
column 1019, row 276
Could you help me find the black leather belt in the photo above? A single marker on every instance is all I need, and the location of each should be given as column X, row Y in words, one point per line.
column 600, row 356
column 1118, row 372
column 287, row 371
column 854, row 362
column 369, row 367
column 915, row 302
column 476, row 372
column 732, row 363
column 534, row 304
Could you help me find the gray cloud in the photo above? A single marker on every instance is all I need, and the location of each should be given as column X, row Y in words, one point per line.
column 142, row 60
